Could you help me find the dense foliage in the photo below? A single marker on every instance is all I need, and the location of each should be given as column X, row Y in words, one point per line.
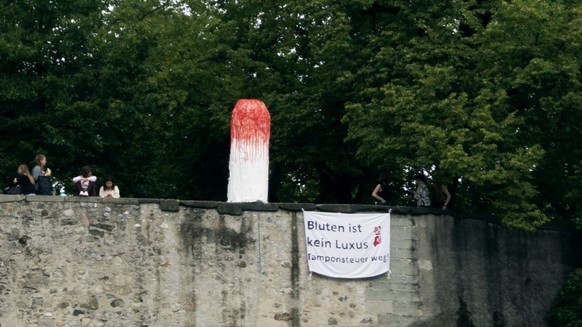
column 486, row 95
column 566, row 310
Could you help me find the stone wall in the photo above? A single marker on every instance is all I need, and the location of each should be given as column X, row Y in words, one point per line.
column 146, row 262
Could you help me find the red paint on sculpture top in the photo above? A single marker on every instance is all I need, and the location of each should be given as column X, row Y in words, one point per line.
column 250, row 122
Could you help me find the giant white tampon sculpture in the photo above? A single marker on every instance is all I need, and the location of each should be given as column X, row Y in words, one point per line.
column 250, row 129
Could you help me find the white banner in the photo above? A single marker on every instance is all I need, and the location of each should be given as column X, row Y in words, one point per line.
column 347, row 245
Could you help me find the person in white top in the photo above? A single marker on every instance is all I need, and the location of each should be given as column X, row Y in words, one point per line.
column 109, row 190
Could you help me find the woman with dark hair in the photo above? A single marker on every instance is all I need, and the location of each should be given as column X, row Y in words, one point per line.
column 109, row 189
column 380, row 192
column 421, row 194
column 85, row 183
column 442, row 196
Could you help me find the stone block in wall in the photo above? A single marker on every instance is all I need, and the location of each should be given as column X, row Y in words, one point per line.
column 399, row 210
column 170, row 205
column 233, row 209
column 259, row 206
column 391, row 319
column 132, row 201
column 403, row 267
column 11, row 197
column 369, row 208
column 402, row 222
column 381, row 306
column 44, row 198
column 199, row 204
column 149, row 200
column 297, row 206
column 80, row 199
column 424, row 211
column 346, row 208
column 379, row 294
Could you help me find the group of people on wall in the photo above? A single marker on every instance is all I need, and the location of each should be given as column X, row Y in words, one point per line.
column 39, row 181
column 440, row 197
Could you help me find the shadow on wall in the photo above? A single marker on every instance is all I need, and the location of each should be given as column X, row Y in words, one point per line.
column 193, row 234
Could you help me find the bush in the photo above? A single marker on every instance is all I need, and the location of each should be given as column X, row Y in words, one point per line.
column 566, row 310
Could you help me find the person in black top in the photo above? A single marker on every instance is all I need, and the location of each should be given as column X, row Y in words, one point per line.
column 25, row 180
column 380, row 192
column 442, row 196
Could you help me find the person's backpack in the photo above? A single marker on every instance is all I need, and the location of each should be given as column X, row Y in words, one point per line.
column 44, row 186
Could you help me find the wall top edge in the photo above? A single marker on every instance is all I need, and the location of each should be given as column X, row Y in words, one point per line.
column 172, row 204
column 236, row 209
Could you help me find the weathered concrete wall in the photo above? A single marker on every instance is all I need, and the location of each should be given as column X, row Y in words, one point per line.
column 145, row 262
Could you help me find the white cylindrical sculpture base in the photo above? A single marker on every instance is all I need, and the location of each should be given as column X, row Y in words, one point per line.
column 249, row 152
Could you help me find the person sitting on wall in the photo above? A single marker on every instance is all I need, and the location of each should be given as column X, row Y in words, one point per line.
column 25, row 181
column 109, row 189
column 85, row 183
column 41, row 174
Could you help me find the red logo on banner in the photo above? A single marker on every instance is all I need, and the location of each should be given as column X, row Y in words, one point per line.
column 377, row 236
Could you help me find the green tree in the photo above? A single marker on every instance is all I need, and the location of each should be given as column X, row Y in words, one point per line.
column 297, row 54
column 159, row 81
column 460, row 91
column 566, row 310
column 486, row 93
column 46, row 60
column 93, row 85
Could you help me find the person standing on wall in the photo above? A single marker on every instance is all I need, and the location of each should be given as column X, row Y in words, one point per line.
column 442, row 196
column 41, row 175
column 421, row 194
column 380, row 192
